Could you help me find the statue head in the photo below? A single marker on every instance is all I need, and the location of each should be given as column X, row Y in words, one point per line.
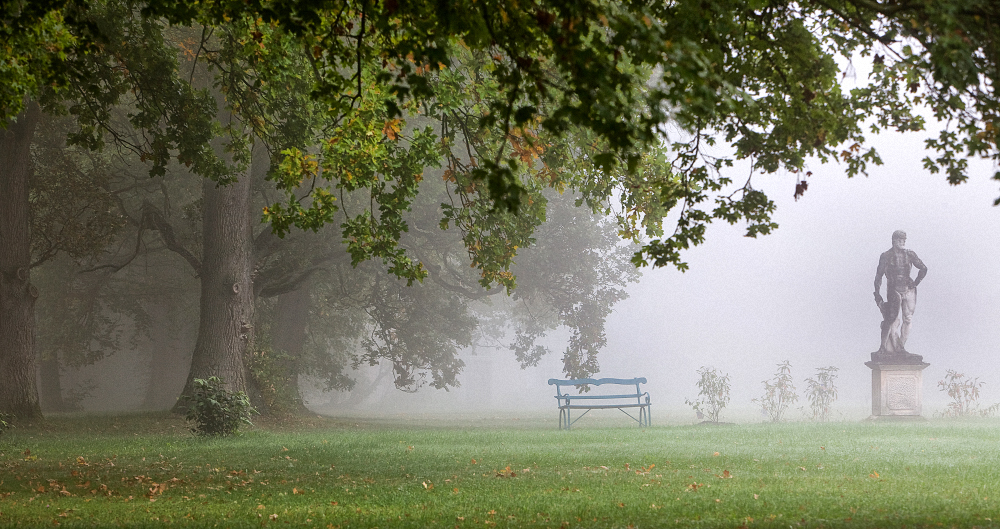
column 898, row 239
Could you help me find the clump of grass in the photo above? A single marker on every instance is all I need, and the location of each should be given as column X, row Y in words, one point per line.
column 6, row 421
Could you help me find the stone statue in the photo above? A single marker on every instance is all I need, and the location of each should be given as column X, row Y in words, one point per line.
column 901, row 299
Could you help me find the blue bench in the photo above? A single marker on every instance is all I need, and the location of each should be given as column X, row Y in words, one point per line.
column 588, row 402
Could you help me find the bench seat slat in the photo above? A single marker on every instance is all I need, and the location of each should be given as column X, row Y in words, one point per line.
column 600, row 406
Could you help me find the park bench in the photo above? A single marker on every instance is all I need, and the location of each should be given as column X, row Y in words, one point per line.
column 588, row 401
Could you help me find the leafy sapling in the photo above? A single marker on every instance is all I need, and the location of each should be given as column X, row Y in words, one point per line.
column 214, row 410
column 964, row 393
column 713, row 394
column 6, row 422
column 821, row 392
column 779, row 393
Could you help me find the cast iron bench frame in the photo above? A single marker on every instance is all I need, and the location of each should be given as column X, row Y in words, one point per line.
column 565, row 400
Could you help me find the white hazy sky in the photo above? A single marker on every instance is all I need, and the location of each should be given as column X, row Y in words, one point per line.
column 804, row 293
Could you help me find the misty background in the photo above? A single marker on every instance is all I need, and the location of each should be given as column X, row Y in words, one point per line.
column 803, row 294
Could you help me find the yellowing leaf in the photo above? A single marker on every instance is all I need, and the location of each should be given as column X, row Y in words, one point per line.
column 391, row 129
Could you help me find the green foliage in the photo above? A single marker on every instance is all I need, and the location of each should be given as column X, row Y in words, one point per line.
column 964, row 393
column 625, row 84
column 216, row 411
column 713, row 393
column 36, row 41
column 779, row 393
column 821, row 392
column 6, row 422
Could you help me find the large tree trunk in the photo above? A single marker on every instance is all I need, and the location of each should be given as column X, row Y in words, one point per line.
column 18, row 387
column 226, row 320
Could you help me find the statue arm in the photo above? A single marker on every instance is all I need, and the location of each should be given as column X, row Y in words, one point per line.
column 879, row 272
column 920, row 266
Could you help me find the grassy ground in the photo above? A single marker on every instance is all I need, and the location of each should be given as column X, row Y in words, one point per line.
column 146, row 470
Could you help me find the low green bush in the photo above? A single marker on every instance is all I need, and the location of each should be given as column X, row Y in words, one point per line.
column 5, row 422
column 214, row 410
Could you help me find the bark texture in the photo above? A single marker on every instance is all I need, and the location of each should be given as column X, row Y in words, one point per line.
column 18, row 386
column 226, row 319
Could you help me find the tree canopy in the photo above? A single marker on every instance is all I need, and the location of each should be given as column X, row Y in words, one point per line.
column 640, row 80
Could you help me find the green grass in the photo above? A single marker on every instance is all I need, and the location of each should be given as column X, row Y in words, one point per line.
column 147, row 470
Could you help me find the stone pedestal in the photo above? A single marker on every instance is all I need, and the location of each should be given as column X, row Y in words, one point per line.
column 897, row 389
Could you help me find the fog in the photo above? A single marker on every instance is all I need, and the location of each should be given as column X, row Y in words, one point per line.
column 803, row 294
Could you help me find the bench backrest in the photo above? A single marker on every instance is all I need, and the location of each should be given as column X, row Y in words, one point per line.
column 597, row 382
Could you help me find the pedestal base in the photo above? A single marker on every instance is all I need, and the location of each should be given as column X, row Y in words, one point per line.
column 897, row 390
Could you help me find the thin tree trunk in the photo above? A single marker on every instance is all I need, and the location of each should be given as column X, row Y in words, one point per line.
column 170, row 349
column 225, row 323
column 18, row 387
column 50, row 384
column 290, row 327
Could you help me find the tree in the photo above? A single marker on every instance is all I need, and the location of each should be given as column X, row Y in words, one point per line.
column 758, row 75
column 18, row 393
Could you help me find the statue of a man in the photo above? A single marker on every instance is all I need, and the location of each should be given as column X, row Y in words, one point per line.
column 901, row 294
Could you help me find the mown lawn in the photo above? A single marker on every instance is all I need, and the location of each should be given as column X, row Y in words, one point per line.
column 146, row 470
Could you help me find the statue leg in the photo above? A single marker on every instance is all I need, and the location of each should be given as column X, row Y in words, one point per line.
column 890, row 312
column 908, row 304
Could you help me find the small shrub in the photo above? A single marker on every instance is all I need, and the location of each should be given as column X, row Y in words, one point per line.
column 779, row 393
column 821, row 392
column 713, row 393
column 964, row 393
column 6, row 422
column 214, row 410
